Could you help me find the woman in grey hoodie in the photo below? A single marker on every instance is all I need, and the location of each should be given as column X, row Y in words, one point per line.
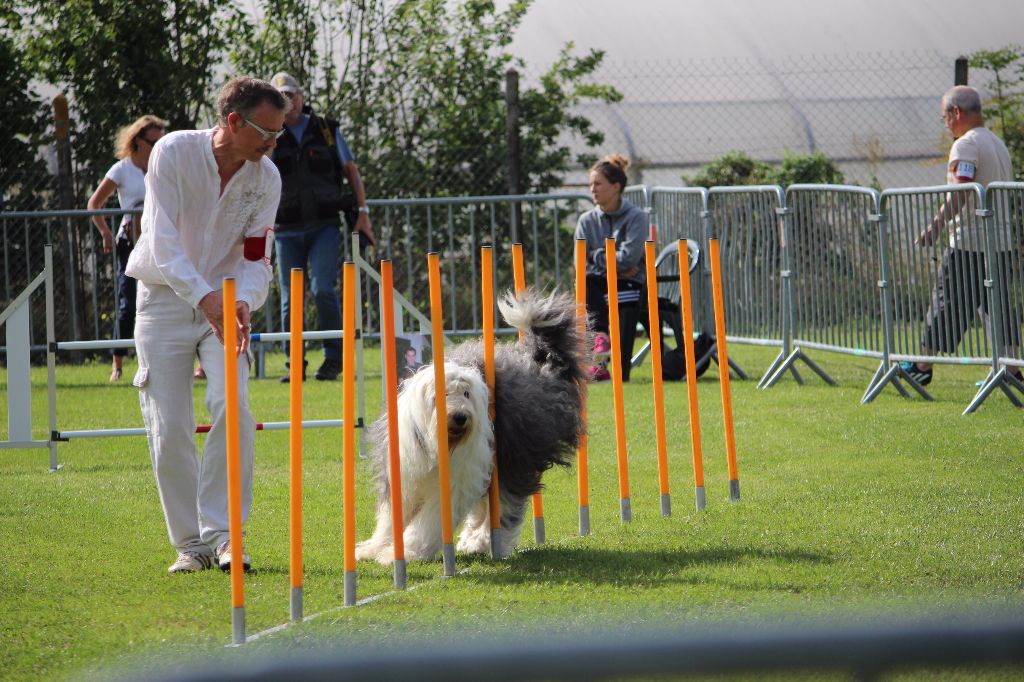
column 617, row 218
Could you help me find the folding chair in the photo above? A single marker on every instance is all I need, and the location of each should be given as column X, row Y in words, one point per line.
column 666, row 267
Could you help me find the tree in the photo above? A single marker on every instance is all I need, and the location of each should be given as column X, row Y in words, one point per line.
column 419, row 88
column 1005, row 111
column 119, row 60
column 24, row 182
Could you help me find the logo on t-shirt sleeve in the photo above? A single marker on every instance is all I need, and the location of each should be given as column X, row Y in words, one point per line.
column 965, row 170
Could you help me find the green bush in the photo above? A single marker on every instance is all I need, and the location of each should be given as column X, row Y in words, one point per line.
column 737, row 168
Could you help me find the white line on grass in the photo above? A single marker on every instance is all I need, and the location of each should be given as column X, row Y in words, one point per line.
column 362, row 602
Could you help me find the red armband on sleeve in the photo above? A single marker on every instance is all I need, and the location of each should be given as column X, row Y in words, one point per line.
column 258, row 248
column 965, row 171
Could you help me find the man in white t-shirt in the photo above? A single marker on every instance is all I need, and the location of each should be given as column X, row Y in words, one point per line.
column 977, row 156
column 211, row 199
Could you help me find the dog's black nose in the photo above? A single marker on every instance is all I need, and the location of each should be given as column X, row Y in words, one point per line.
column 459, row 419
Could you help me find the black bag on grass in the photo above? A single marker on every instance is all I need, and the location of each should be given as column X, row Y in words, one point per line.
column 673, row 360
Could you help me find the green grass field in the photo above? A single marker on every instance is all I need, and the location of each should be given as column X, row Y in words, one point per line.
column 899, row 508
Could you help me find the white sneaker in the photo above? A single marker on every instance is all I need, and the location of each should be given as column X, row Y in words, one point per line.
column 224, row 557
column 190, row 562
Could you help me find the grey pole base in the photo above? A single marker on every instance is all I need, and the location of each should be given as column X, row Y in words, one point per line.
column 538, row 530
column 702, row 500
column 734, row 491
column 495, row 544
column 350, row 588
column 625, row 510
column 296, row 610
column 400, row 581
column 448, row 552
column 666, row 506
column 238, row 624
column 584, row 520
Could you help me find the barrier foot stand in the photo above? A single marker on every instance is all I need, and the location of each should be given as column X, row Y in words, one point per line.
column 666, row 506
column 238, row 625
column 296, row 604
column 625, row 510
column 350, row 588
column 702, row 500
column 538, row 530
column 1000, row 380
column 584, row 521
column 400, row 580
column 790, row 363
column 893, row 375
column 734, row 491
column 880, row 375
column 771, row 369
column 1015, row 382
column 448, row 554
column 732, row 364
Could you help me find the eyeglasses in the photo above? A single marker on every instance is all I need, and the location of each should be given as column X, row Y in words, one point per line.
column 267, row 134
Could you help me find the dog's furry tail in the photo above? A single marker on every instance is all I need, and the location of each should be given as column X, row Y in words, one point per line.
column 552, row 333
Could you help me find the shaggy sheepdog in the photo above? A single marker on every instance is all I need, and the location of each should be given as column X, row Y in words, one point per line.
column 538, row 423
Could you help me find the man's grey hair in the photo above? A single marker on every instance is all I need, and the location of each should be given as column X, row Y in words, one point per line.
column 243, row 95
column 963, row 97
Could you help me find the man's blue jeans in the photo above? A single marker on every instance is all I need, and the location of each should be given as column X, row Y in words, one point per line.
column 319, row 248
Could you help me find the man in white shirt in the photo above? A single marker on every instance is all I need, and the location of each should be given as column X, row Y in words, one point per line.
column 211, row 199
column 977, row 156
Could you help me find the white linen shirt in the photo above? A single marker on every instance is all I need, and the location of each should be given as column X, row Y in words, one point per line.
column 192, row 236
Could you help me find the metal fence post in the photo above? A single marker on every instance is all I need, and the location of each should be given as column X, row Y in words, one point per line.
column 65, row 191
column 960, row 71
column 994, row 281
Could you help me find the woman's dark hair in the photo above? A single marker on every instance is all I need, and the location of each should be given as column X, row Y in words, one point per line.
column 613, row 168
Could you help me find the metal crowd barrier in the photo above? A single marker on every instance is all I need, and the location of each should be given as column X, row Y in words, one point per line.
column 830, row 273
column 966, row 269
column 457, row 227
column 798, row 268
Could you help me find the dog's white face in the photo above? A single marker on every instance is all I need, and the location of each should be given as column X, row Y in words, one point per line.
column 466, row 401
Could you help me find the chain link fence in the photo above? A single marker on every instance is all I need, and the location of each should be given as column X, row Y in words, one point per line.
column 875, row 115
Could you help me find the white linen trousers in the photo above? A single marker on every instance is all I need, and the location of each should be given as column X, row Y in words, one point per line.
column 193, row 492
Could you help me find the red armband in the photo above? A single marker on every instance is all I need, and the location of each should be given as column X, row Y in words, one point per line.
column 259, row 248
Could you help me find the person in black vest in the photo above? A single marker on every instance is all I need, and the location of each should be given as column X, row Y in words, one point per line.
column 315, row 162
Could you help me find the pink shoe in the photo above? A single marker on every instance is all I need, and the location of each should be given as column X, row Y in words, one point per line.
column 598, row 373
column 602, row 346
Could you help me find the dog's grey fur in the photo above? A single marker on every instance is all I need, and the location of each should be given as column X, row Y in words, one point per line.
column 539, row 384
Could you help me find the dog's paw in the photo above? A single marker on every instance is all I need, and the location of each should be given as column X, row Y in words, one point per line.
column 367, row 549
column 386, row 555
column 475, row 542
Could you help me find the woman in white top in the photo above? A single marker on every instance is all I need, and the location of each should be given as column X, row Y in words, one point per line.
column 132, row 146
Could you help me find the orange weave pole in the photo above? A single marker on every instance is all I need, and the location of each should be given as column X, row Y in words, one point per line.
column 519, row 278
column 654, row 321
column 295, row 322
column 348, row 377
column 487, row 310
column 583, row 481
column 625, row 511
column 387, row 293
column 441, row 402
column 723, row 366
column 686, row 304
column 231, row 417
